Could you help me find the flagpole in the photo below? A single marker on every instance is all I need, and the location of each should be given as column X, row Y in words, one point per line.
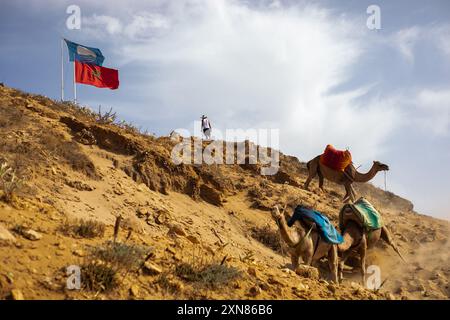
column 62, row 69
column 74, row 84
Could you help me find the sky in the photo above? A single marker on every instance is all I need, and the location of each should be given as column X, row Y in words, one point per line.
column 312, row 69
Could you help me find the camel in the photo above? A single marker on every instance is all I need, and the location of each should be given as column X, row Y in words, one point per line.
column 345, row 178
column 358, row 239
column 306, row 242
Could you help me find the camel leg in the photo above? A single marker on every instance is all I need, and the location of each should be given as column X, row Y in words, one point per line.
column 386, row 236
column 333, row 263
column 347, row 193
column 294, row 260
column 362, row 255
column 344, row 257
column 321, row 179
column 312, row 167
column 352, row 193
column 308, row 251
column 308, row 180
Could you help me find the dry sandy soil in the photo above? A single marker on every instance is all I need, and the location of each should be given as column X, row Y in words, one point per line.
column 187, row 220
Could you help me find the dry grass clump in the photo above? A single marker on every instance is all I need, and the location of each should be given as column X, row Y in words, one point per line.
column 9, row 183
column 269, row 237
column 165, row 281
column 12, row 119
column 68, row 152
column 210, row 275
column 106, row 117
column 83, row 228
column 205, row 271
column 99, row 276
column 106, row 265
column 255, row 192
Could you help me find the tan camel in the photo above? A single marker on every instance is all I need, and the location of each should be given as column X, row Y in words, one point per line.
column 345, row 178
column 357, row 240
column 306, row 242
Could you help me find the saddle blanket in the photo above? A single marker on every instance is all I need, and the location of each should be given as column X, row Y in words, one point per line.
column 335, row 159
column 365, row 213
column 326, row 229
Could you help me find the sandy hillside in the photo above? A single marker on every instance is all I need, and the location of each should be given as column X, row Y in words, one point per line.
column 187, row 232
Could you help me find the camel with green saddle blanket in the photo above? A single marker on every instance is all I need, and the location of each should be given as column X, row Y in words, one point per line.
column 344, row 177
column 362, row 227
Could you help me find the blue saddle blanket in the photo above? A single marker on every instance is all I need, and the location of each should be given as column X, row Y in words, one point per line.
column 327, row 230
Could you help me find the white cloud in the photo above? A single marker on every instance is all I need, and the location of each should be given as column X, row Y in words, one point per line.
column 111, row 25
column 405, row 40
column 276, row 4
column 443, row 39
column 264, row 68
column 445, row 44
column 268, row 66
column 408, row 39
column 144, row 25
column 140, row 26
column 434, row 106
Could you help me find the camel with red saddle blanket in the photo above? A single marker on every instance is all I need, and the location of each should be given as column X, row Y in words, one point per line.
column 336, row 166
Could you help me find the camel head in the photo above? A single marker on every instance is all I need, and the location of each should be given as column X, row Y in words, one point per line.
column 276, row 214
column 381, row 166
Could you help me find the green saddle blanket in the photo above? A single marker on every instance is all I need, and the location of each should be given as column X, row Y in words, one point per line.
column 365, row 213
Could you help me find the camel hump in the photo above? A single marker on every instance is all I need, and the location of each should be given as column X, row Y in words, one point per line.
column 313, row 218
column 336, row 159
column 363, row 213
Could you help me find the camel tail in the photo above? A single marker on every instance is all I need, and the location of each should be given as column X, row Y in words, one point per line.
column 386, row 236
column 398, row 252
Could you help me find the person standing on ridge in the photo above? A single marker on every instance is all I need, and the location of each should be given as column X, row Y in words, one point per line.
column 206, row 127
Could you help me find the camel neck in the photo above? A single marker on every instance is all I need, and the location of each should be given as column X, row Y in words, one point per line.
column 365, row 177
column 285, row 232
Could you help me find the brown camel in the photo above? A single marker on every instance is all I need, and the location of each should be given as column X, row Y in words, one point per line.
column 305, row 242
column 358, row 239
column 345, row 178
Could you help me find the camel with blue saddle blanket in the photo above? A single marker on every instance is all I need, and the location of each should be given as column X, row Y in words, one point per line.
column 362, row 227
column 313, row 239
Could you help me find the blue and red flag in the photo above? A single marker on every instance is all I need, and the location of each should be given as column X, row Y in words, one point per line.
column 88, row 67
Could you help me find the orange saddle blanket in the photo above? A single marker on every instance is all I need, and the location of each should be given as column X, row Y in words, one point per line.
column 335, row 159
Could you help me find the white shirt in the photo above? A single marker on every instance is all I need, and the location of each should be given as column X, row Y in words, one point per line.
column 205, row 124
